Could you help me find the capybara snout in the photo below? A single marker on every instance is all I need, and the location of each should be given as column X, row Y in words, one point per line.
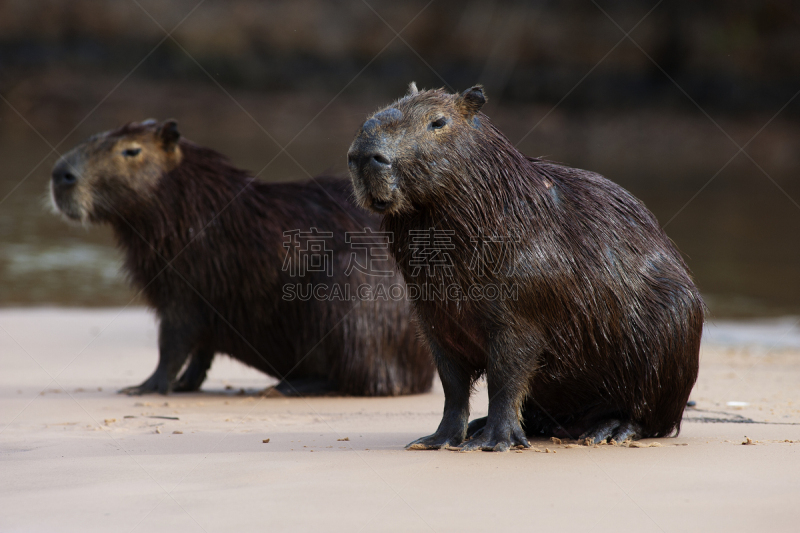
column 63, row 182
column 64, row 174
column 371, row 157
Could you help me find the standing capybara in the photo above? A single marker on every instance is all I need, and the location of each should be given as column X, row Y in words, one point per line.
column 234, row 265
column 593, row 325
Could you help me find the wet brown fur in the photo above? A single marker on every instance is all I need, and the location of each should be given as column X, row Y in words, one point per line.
column 204, row 242
column 607, row 322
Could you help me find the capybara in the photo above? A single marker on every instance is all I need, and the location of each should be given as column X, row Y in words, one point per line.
column 233, row 265
column 592, row 327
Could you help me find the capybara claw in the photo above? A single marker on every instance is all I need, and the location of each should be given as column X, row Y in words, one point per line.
column 148, row 387
column 491, row 440
column 433, row 442
column 612, row 430
column 628, row 431
column 136, row 390
column 186, row 386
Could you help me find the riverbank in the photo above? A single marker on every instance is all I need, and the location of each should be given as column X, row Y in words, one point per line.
column 76, row 456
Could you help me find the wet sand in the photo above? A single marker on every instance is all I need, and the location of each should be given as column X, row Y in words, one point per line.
column 76, row 456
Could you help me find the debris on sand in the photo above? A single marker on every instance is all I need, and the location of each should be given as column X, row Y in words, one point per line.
column 635, row 444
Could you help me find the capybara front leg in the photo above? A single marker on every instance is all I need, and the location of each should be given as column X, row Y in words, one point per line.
column 503, row 429
column 195, row 374
column 507, row 378
column 475, row 427
column 175, row 342
column 452, row 430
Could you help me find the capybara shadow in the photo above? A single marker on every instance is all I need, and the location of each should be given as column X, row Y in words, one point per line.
column 554, row 282
column 264, row 272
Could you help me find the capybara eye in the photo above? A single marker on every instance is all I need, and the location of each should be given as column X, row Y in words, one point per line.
column 131, row 152
column 439, row 123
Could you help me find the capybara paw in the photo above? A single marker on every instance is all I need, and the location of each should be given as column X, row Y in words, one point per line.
column 492, row 439
column 136, row 390
column 186, row 386
column 150, row 386
column 616, row 430
column 187, row 383
column 435, row 442
column 305, row 387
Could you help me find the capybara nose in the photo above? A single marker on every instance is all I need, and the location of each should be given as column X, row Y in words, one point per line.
column 63, row 176
column 379, row 161
column 375, row 161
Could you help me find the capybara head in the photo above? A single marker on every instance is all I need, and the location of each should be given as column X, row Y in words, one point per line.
column 114, row 171
column 405, row 153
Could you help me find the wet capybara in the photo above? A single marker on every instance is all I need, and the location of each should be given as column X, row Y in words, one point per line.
column 229, row 264
column 592, row 328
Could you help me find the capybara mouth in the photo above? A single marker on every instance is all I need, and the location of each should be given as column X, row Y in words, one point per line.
column 375, row 192
column 380, row 205
column 61, row 203
column 66, row 207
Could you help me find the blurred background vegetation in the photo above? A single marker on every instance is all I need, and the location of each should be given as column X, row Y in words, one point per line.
column 664, row 112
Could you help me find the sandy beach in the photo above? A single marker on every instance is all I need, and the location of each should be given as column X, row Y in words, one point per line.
column 76, row 456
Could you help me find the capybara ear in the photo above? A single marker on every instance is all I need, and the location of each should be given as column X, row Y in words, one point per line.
column 412, row 89
column 169, row 134
column 471, row 101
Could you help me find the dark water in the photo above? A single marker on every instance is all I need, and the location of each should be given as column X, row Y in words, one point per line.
column 738, row 225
